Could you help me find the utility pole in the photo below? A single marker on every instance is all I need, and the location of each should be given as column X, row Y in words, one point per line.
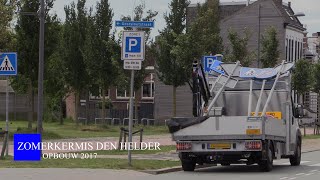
column 41, row 68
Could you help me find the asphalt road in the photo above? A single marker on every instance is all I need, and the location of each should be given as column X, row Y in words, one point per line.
column 309, row 170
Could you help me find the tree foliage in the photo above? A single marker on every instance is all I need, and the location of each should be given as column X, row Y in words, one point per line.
column 302, row 77
column 101, row 52
column 171, row 69
column 27, row 34
column 270, row 48
column 239, row 48
column 204, row 32
column 74, row 35
column 316, row 78
column 7, row 40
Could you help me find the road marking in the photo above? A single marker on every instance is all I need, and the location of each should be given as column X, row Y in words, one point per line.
column 315, row 164
column 300, row 174
column 309, row 174
column 314, row 170
column 283, row 178
column 293, row 178
column 302, row 162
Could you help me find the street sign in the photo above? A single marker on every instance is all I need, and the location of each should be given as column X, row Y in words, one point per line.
column 133, row 45
column 136, row 24
column 216, row 67
column 132, row 64
column 267, row 73
column 207, row 62
column 8, row 64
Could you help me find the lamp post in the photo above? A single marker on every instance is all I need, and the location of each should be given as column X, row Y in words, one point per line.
column 299, row 14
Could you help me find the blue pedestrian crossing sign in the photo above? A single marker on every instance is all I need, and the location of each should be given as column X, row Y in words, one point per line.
column 133, row 45
column 8, row 64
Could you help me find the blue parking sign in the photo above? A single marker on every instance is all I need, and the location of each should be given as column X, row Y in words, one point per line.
column 133, row 44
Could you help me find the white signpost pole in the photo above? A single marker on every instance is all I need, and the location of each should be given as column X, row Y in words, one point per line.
column 7, row 116
column 131, row 115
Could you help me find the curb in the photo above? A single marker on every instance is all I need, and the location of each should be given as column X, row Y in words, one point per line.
column 179, row 168
column 173, row 169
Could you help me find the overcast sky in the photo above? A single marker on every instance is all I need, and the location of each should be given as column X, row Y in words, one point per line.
column 125, row 7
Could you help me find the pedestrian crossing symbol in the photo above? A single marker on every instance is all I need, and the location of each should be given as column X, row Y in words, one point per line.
column 8, row 64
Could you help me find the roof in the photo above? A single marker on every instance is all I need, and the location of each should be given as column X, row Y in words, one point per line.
column 3, row 86
column 288, row 15
column 228, row 9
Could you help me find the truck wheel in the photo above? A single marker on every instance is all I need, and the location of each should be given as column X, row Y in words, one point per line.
column 188, row 165
column 296, row 158
column 267, row 165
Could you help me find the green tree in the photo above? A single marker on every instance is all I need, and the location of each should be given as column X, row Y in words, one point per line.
column 316, row 78
column 139, row 78
column 239, row 48
column 270, row 48
column 102, row 51
column 170, row 70
column 27, row 32
column 74, row 35
column 302, row 77
column 204, row 32
column 7, row 40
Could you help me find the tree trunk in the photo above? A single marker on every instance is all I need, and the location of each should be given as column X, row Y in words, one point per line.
column 61, row 111
column 174, row 101
column 103, row 104
column 136, row 107
column 77, row 101
column 30, row 115
column 87, row 107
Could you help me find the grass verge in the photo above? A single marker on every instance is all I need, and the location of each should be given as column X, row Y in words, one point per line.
column 70, row 130
column 311, row 137
column 91, row 164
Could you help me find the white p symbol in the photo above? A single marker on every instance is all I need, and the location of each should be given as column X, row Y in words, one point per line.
column 132, row 43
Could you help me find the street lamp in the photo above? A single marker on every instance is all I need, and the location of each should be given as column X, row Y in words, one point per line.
column 298, row 14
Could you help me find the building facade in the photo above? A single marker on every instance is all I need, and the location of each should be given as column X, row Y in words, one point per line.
column 260, row 15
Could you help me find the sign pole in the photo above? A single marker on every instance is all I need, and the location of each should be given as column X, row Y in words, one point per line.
column 7, row 115
column 130, row 117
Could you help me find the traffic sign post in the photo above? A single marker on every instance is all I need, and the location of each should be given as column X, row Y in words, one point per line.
column 8, row 67
column 133, row 53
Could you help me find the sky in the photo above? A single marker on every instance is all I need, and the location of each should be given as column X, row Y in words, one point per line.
column 125, row 7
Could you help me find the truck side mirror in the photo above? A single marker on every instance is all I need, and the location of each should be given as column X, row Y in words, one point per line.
column 299, row 111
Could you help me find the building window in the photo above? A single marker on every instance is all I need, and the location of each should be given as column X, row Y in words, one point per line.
column 123, row 93
column 148, row 88
column 98, row 94
column 287, row 49
column 296, row 50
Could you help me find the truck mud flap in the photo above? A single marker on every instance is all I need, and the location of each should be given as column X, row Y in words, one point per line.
column 175, row 124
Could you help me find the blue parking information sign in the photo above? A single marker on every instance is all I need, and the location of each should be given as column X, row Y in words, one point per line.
column 133, row 45
column 8, row 64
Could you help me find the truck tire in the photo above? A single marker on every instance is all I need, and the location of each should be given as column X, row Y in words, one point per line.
column 188, row 165
column 267, row 165
column 296, row 158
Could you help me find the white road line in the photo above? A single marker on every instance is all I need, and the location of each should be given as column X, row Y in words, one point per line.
column 309, row 174
column 300, row 174
column 284, row 178
column 302, row 162
column 293, row 178
column 314, row 170
column 315, row 164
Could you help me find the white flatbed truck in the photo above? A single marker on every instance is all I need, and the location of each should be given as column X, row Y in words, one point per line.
column 239, row 120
